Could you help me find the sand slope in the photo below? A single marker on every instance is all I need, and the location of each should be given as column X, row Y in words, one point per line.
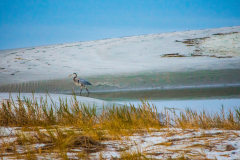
column 126, row 56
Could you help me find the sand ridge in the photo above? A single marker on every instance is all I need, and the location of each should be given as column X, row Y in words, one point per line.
column 117, row 56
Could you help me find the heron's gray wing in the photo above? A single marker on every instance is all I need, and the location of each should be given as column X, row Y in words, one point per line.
column 83, row 82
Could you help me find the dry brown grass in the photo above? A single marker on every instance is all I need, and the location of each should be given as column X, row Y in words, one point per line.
column 191, row 119
column 20, row 58
column 70, row 126
column 77, row 128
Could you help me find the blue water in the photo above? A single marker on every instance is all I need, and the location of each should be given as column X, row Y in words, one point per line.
column 210, row 105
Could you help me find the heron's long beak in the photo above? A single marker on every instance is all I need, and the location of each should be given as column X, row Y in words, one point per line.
column 69, row 75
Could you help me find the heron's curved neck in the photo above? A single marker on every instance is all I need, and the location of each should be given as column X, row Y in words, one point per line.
column 74, row 77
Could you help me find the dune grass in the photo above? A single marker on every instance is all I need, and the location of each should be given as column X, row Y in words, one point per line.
column 60, row 130
column 192, row 119
column 65, row 127
column 29, row 113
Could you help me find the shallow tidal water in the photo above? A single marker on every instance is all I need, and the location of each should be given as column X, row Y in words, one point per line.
column 210, row 105
column 208, row 99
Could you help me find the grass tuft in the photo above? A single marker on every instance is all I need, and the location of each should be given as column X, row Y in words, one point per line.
column 74, row 127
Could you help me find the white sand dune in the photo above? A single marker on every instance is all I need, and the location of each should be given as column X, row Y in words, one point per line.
column 116, row 56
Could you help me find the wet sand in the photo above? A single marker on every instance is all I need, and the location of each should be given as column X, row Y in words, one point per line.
column 171, row 94
column 135, row 82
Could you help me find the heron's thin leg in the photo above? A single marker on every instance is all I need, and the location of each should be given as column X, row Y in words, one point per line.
column 87, row 89
column 81, row 90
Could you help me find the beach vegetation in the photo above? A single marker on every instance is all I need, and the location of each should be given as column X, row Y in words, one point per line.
column 74, row 130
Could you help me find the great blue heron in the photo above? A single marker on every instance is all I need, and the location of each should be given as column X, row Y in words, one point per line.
column 80, row 82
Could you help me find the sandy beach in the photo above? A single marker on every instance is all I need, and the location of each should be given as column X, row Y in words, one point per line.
column 155, row 61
